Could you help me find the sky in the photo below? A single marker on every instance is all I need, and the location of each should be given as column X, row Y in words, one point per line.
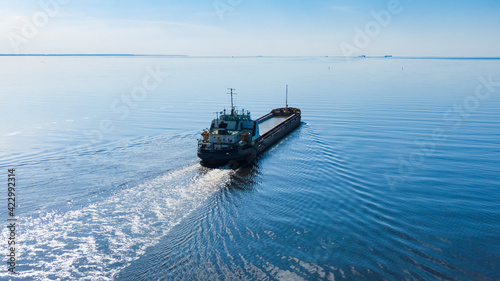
column 451, row 28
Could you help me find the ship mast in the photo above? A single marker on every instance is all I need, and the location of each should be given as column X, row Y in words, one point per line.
column 286, row 101
column 232, row 105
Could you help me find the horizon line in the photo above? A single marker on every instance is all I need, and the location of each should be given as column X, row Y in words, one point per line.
column 250, row 56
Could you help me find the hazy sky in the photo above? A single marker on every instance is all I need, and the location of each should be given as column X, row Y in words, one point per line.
column 252, row 27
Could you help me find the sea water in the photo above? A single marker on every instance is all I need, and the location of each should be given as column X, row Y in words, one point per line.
column 393, row 174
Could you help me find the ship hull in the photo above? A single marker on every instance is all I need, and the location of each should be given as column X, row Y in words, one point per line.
column 223, row 157
column 245, row 154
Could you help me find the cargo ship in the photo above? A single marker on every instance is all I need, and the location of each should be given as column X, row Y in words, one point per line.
column 235, row 139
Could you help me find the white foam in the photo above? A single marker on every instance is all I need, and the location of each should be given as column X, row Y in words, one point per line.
column 97, row 241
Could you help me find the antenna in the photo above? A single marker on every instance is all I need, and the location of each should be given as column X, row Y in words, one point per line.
column 231, row 93
column 232, row 105
column 286, row 102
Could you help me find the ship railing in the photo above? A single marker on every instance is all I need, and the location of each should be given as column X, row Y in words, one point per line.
column 209, row 146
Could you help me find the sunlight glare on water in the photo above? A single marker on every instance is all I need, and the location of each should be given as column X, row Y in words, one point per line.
column 393, row 173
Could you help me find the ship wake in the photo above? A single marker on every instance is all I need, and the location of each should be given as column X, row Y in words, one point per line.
column 98, row 240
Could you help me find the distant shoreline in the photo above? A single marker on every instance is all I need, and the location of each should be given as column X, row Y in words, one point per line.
column 259, row 56
column 85, row 55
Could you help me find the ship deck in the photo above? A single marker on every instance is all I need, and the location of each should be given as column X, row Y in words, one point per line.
column 269, row 123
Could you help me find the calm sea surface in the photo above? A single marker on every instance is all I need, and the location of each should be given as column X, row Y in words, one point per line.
column 394, row 173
